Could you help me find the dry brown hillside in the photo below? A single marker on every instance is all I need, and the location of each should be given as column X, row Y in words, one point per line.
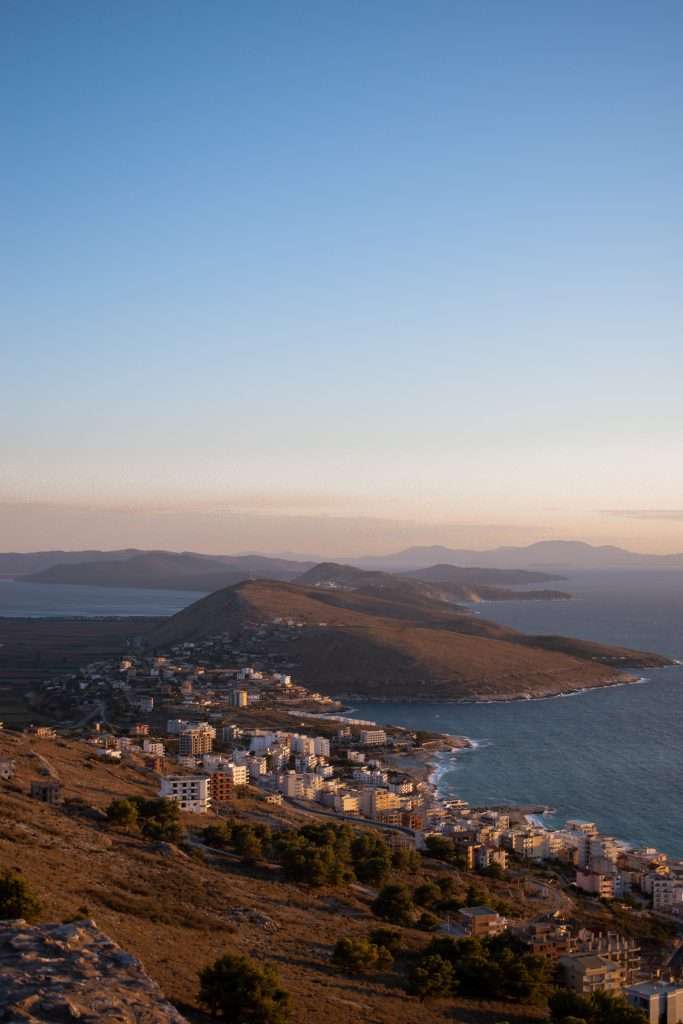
column 177, row 913
column 394, row 645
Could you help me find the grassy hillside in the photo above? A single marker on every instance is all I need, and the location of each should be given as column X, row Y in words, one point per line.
column 400, row 644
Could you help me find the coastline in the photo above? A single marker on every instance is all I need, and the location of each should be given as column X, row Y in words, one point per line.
column 492, row 699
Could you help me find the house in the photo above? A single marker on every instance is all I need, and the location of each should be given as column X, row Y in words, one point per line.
column 481, row 922
column 660, row 1001
column 587, row 973
column 190, row 791
column 7, row 766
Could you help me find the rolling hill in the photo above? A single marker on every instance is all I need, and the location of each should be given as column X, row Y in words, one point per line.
column 395, row 644
column 446, row 583
column 169, row 570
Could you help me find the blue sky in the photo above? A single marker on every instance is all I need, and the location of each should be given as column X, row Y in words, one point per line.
column 418, row 262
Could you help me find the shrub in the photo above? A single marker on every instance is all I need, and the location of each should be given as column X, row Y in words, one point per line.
column 428, row 922
column 218, row 836
column 16, row 898
column 431, row 976
column 427, row 895
column 360, row 955
column 394, row 903
column 237, row 990
column 389, row 938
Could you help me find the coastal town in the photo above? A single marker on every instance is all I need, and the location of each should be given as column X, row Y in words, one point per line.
column 213, row 721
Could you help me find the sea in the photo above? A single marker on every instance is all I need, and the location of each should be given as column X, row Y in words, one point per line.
column 57, row 600
column 612, row 755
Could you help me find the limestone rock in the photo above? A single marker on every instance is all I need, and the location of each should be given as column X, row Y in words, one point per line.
column 74, row 972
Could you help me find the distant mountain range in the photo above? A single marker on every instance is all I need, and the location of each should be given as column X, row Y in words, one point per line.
column 189, row 570
column 206, row 573
column 553, row 555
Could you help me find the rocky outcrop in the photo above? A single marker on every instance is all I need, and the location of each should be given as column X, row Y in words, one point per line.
column 69, row 972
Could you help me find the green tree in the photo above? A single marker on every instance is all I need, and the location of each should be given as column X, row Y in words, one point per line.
column 218, row 836
column 427, row 894
column 16, row 898
column 237, row 990
column 248, row 844
column 440, row 847
column 389, row 938
column 474, row 897
column 405, row 859
column 431, row 976
column 354, row 955
column 371, row 858
column 394, row 903
column 123, row 813
column 614, row 1009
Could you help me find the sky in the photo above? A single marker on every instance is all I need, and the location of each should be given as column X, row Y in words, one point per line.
column 340, row 277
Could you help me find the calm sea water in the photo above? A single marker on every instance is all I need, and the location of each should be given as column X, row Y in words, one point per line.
column 56, row 600
column 613, row 755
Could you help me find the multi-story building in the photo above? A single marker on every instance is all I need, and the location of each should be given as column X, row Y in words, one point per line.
column 153, row 747
column 375, row 801
column 587, row 973
column 660, row 1001
column 291, row 784
column 346, row 803
column 190, row 791
column 606, row 887
column 196, row 740
column 373, row 737
column 531, row 844
column 221, row 789
column 612, row 946
column 548, row 940
column 321, row 746
column 481, row 922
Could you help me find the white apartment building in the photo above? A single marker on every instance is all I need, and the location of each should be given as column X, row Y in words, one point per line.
column 153, row 747
column 291, row 784
column 321, row 746
column 190, row 791
column 373, row 737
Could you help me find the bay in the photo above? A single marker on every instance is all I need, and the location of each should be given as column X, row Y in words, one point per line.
column 612, row 755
